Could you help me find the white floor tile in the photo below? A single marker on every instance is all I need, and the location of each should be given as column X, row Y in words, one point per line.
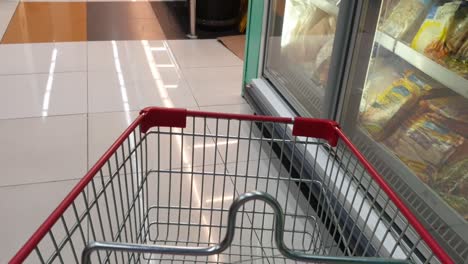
column 215, row 86
column 164, row 151
column 37, row 95
column 203, row 53
column 245, row 143
column 42, row 149
column 42, row 58
column 112, row 91
column 134, row 57
column 104, row 129
column 27, row 206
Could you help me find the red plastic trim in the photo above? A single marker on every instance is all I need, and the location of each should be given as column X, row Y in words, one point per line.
column 430, row 241
column 164, row 117
column 29, row 246
column 316, row 128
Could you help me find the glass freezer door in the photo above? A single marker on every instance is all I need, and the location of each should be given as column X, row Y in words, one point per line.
column 299, row 46
column 410, row 117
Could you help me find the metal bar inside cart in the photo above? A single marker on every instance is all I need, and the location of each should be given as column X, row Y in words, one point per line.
column 219, row 248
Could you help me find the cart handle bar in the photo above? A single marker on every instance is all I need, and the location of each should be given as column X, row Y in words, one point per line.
column 304, row 127
column 177, row 117
column 228, row 238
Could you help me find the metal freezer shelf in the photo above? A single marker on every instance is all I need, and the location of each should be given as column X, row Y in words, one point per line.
column 436, row 71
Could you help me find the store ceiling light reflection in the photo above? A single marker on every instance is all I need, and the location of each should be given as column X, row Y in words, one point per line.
column 219, row 143
column 167, row 102
column 220, row 199
column 50, row 80
column 123, row 88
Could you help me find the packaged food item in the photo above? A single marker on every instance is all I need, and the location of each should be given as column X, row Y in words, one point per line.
column 306, row 16
column 395, row 102
column 434, row 28
column 322, row 62
column 443, row 36
column 403, row 16
column 381, row 75
column 453, row 111
column 452, row 181
column 423, row 170
column 386, row 9
column 424, row 138
column 457, row 65
column 308, row 41
column 319, row 37
column 457, row 33
column 452, row 178
column 422, row 83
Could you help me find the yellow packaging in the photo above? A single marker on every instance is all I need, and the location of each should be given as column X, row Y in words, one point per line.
column 430, row 31
column 381, row 115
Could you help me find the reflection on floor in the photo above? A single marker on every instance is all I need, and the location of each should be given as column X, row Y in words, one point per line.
column 74, row 74
column 35, row 22
column 63, row 104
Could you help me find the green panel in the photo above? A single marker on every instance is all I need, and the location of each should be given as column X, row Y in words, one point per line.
column 253, row 40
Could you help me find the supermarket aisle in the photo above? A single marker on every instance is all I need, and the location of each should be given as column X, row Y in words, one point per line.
column 62, row 105
column 73, row 76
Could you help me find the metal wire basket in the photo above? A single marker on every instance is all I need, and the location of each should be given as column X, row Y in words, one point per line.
column 184, row 186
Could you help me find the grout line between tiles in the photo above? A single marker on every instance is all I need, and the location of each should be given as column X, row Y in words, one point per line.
column 43, row 117
column 37, row 183
column 172, row 56
column 41, row 73
column 87, row 107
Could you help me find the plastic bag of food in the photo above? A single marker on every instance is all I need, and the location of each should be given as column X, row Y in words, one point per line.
column 457, row 65
column 307, row 32
column 423, row 170
column 457, row 33
column 322, row 62
column 425, row 86
column 424, row 138
column 457, row 42
column 381, row 75
column 452, row 178
column 386, row 9
column 402, row 17
column 434, row 27
column 431, row 37
column 453, row 111
column 394, row 103
column 304, row 48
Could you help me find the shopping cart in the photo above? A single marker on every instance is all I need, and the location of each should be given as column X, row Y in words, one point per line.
column 188, row 186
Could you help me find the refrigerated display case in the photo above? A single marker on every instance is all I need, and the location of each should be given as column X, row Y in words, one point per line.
column 394, row 74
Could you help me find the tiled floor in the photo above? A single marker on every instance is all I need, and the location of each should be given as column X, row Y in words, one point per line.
column 71, row 84
column 64, row 103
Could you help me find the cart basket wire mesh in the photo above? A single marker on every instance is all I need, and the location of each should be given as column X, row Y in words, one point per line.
column 182, row 186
